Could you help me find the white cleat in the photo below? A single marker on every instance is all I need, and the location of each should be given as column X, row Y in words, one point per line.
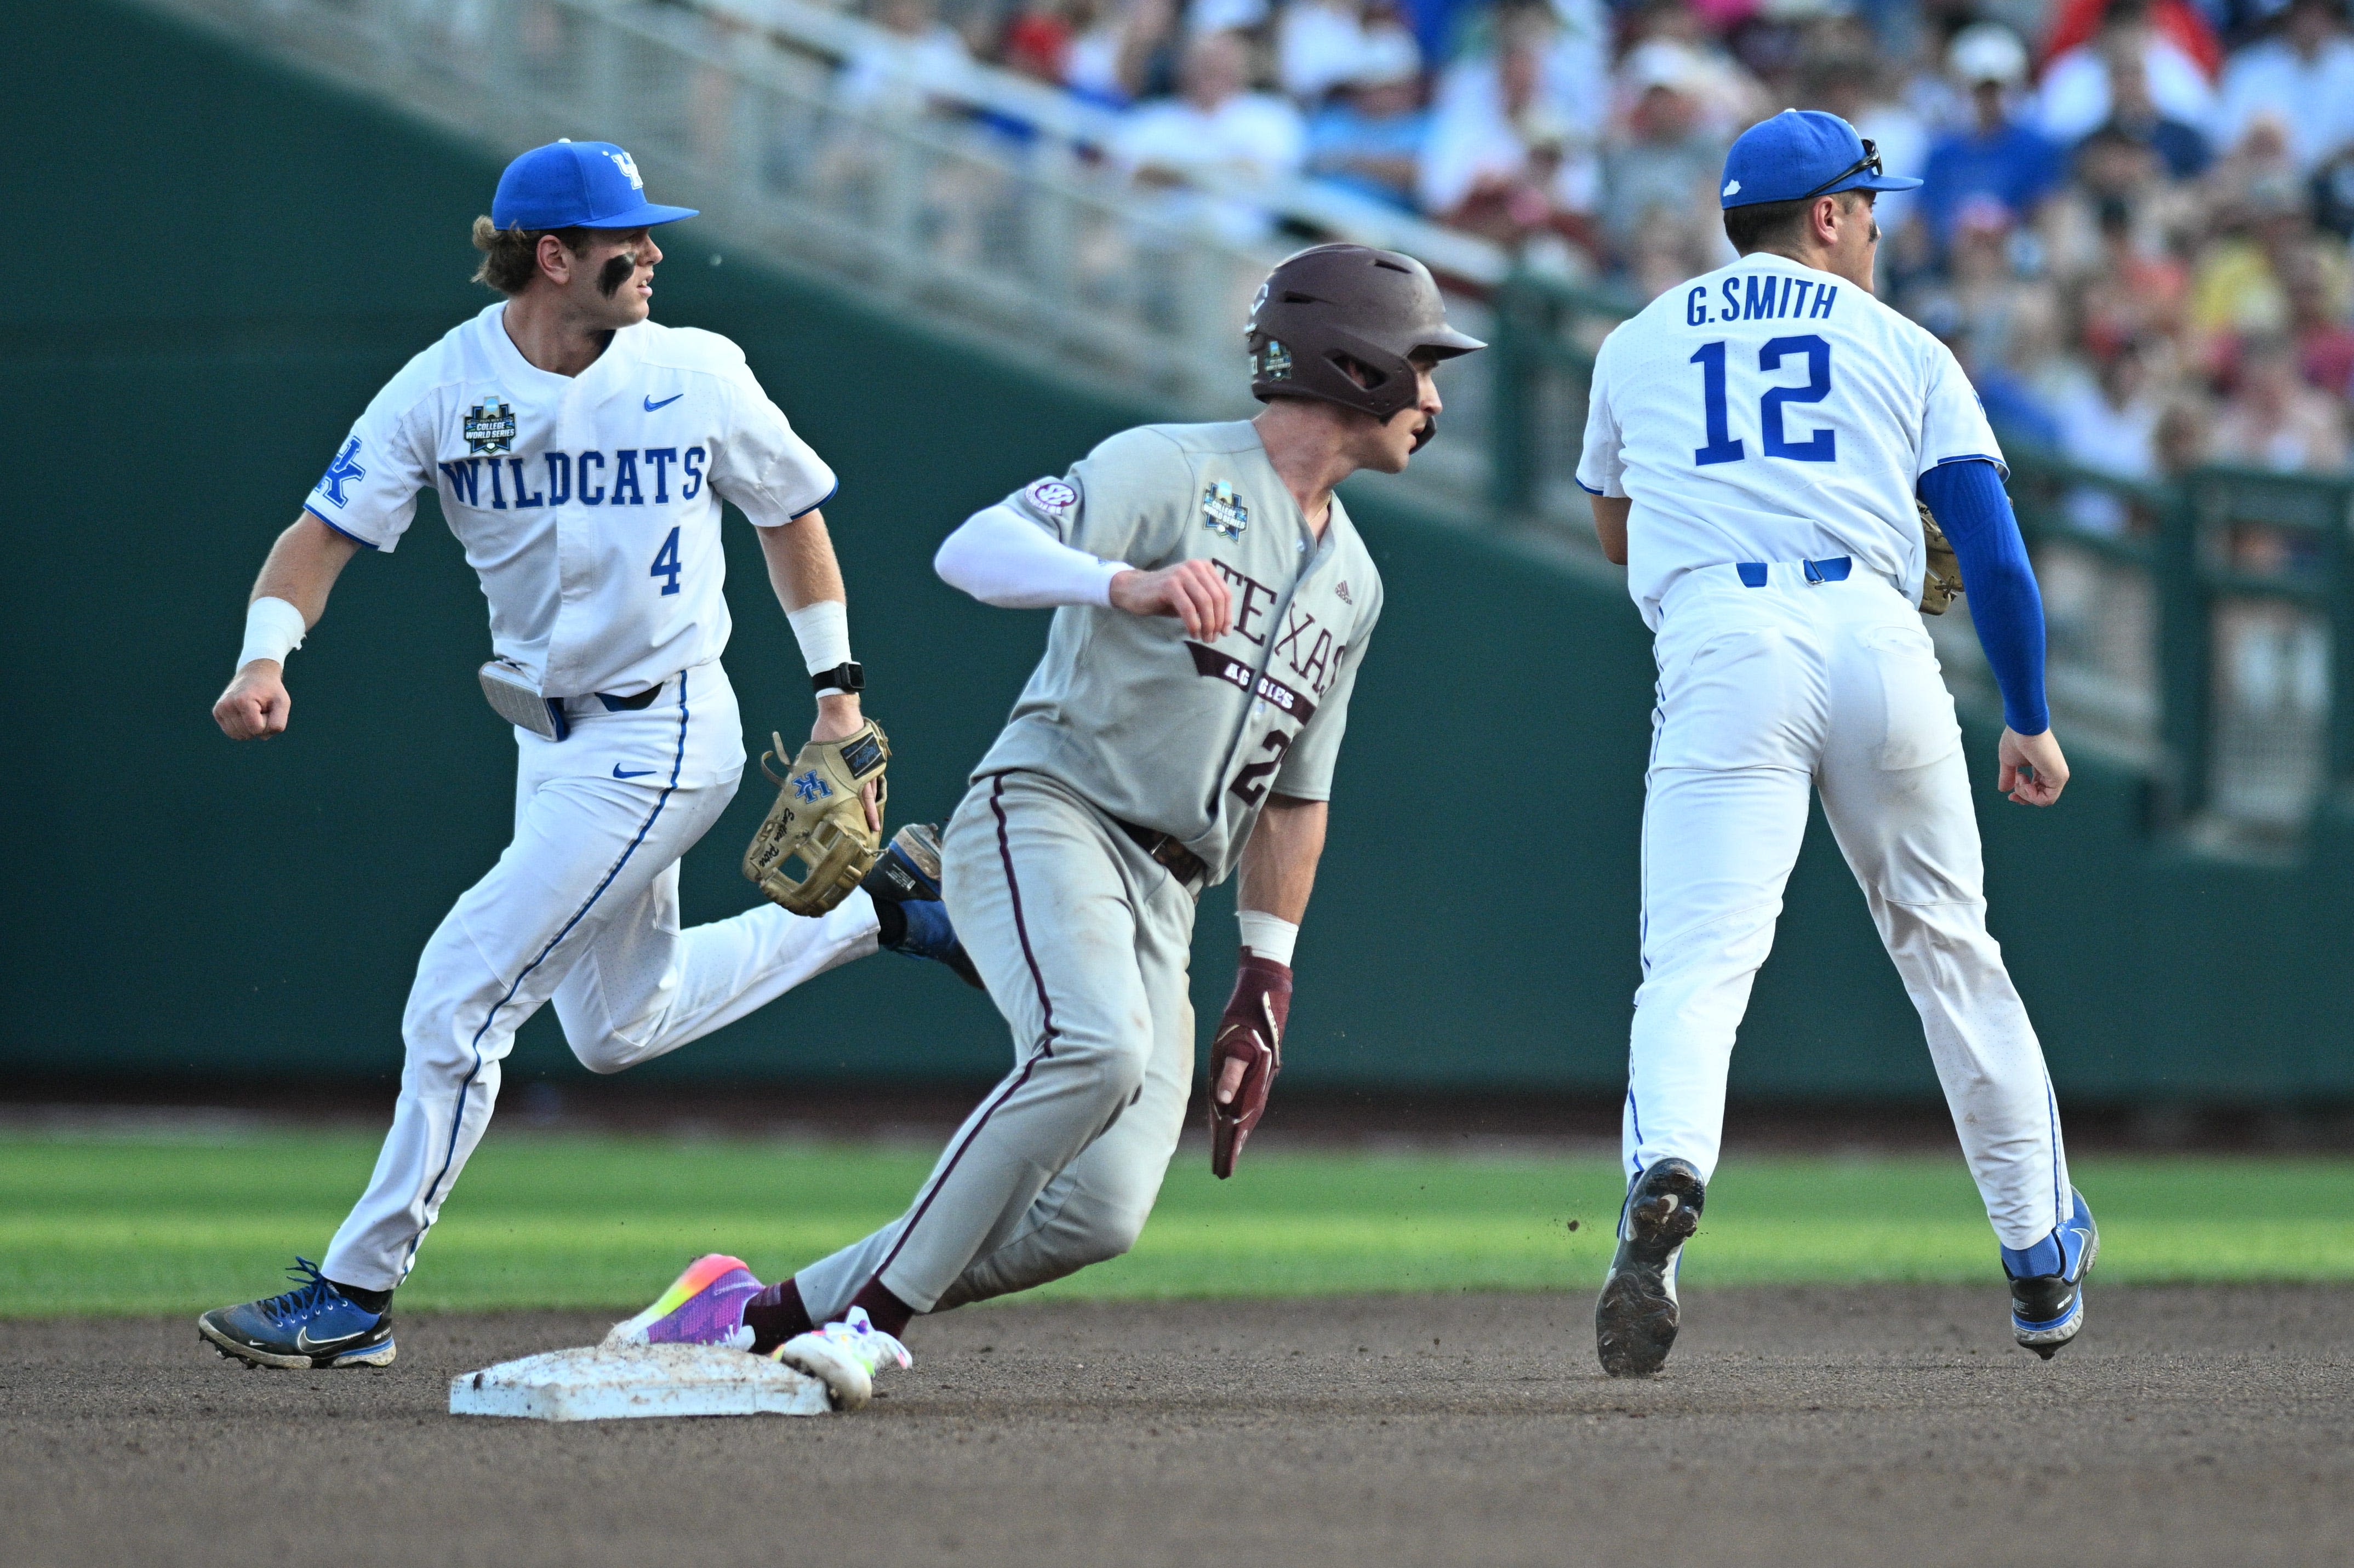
column 845, row 1357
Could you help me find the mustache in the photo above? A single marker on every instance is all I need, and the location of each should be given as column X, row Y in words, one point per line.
column 616, row 272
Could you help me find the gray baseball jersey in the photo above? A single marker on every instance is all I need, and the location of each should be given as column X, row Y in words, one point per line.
column 1151, row 725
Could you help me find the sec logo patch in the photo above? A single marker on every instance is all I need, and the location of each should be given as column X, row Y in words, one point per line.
column 1052, row 495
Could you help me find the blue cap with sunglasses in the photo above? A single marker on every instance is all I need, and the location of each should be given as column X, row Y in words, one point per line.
column 1801, row 154
column 578, row 185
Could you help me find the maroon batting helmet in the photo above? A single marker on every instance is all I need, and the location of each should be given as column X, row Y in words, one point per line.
column 1343, row 322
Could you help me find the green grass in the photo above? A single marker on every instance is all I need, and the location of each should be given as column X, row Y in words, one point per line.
column 95, row 1226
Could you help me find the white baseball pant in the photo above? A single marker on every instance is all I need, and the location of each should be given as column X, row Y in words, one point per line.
column 1764, row 692
column 582, row 908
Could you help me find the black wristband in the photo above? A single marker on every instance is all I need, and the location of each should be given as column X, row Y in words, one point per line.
column 848, row 678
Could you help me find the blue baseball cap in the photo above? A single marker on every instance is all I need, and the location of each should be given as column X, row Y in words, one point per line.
column 1802, row 153
column 578, row 185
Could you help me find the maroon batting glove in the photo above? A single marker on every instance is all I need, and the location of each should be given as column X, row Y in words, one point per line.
column 1250, row 1032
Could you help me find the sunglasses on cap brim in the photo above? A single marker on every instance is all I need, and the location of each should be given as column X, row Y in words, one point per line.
column 1870, row 162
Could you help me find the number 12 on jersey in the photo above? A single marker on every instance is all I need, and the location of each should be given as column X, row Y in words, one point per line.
column 1723, row 446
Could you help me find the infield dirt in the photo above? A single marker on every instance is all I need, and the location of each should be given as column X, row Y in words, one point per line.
column 1874, row 1425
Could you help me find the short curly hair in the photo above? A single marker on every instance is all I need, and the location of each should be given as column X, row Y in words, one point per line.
column 511, row 254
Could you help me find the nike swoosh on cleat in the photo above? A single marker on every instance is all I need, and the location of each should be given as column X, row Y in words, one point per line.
column 641, row 773
column 652, row 405
column 311, row 1346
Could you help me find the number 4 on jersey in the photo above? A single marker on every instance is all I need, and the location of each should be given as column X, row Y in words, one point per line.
column 666, row 563
column 1723, row 446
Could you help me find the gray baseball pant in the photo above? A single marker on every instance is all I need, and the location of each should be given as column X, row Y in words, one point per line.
column 1083, row 942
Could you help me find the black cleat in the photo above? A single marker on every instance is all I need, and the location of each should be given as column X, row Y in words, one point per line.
column 907, row 875
column 2047, row 1281
column 1636, row 1319
column 908, row 867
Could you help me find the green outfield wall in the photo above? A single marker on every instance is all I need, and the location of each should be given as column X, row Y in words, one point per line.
column 216, row 264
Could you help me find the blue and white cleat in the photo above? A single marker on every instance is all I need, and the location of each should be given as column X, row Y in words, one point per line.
column 908, row 877
column 310, row 1326
column 2047, row 1281
column 1636, row 1319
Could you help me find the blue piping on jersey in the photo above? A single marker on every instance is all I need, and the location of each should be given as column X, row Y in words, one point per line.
column 458, row 1122
column 818, row 502
column 346, row 533
column 1584, row 486
column 2000, row 467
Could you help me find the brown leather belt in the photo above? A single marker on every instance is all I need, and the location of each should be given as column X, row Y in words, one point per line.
column 1174, row 857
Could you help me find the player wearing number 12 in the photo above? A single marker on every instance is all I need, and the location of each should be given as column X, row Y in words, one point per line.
column 579, row 452
column 1756, row 444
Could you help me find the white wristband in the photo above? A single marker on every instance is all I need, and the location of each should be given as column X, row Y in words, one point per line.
column 273, row 629
column 822, row 630
column 1266, row 936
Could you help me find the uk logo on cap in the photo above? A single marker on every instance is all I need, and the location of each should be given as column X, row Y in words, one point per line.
column 578, row 185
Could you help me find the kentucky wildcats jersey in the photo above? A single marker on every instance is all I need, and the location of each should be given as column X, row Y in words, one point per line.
column 588, row 504
column 1769, row 411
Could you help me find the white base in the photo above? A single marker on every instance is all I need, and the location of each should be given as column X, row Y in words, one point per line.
column 607, row 1383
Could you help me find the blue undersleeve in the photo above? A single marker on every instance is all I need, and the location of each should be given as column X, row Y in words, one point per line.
column 1970, row 505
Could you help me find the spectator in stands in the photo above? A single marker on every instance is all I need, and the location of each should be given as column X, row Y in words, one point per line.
column 2301, row 77
column 2077, row 91
column 1660, row 170
column 2109, row 423
column 917, row 56
column 1038, row 41
column 1999, row 158
column 1498, row 162
column 2131, row 293
column 2180, row 146
column 1319, row 45
column 2315, row 280
column 1370, row 139
column 2273, row 420
column 1125, row 50
column 1217, row 132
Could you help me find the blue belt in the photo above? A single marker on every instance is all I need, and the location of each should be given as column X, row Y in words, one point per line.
column 1835, row 570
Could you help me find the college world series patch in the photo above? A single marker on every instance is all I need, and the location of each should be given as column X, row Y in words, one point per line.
column 1222, row 511
column 490, row 426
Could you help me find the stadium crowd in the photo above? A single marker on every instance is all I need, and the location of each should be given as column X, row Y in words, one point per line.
column 2135, row 231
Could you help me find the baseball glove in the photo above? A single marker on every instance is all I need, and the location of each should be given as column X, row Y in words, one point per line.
column 1250, row 1032
column 819, row 821
column 1944, row 578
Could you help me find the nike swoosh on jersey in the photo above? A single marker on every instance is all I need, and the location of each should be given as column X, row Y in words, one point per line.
column 641, row 773
column 652, row 405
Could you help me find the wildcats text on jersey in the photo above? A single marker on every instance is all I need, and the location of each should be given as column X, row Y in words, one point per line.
column 599, row 483
column 1761, row 297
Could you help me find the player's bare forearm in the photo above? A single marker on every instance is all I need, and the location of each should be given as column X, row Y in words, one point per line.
column 1610, row 525
column 301, row 569
column 1279, row 865
column 802, row 570
column 802, row 566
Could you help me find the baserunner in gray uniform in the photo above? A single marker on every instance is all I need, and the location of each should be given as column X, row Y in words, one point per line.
column 1215, row 606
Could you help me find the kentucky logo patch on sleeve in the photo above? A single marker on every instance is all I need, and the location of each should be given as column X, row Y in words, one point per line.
column 490, row 426
column 1222, row 511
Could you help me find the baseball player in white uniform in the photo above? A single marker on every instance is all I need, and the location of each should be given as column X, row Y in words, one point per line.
column 580, row 452
column 1214, row 604
column 1756, row 440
